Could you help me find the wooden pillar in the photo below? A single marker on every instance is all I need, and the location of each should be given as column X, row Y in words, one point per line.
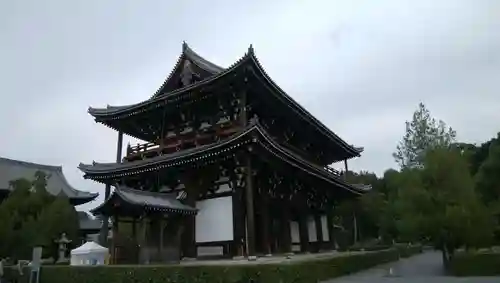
column 119, row 147
column 286, row 237
column 303, row 231
column 250, row 216
column 346, row 168
column 238, row 219
column 319, row 231
column 189, row 238
column 266, row 223
column 114, row 240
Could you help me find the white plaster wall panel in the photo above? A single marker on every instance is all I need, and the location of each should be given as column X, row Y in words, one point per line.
column 324, row 227
column 214, row 221
column 311, row 228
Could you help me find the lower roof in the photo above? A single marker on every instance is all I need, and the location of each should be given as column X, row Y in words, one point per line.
column 152, row 201
column 57, row 184
column 255, row 133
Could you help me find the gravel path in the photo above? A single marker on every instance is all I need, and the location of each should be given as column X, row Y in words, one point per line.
column 425, row 267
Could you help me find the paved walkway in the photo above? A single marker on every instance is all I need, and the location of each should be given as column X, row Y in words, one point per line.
column 425, row 267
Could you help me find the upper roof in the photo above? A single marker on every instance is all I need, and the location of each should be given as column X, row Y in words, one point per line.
column 149, row 200
column 255, row 133
column 208, row 68
column 110, row 113
column 57, row 184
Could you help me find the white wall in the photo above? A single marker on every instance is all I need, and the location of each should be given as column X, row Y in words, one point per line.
column 311, row 228
column 294, row 231
column 324, row 227
column 214, row 221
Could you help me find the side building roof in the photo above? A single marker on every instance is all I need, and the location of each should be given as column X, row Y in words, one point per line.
column 57, row 184
column 150, row 201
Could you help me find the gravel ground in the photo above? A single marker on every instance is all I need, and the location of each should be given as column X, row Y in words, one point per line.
column 425, row 267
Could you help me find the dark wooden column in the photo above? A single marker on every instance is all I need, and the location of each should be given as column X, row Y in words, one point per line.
column 189, row 235
column 114, row 240
column 237, row 249
column 266, row 223
column 303, row 231
column 346, row 168
column 103, row 237
column 286, row 237
column 249, row 208
column 319, row 231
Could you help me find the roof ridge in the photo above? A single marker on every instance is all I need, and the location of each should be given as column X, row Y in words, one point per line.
column 190, row 54
column 31, row 164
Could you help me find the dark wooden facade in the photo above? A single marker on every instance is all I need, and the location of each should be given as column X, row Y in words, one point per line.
column 208, row 125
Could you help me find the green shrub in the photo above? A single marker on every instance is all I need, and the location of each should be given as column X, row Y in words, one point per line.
column 295, row 271
column 475, row 264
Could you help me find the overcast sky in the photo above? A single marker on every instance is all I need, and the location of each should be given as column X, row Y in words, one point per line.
column 361, row 67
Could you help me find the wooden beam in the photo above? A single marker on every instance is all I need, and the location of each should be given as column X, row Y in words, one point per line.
column 249, row 190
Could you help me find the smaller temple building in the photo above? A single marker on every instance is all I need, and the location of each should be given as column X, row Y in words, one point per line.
column 57, row 184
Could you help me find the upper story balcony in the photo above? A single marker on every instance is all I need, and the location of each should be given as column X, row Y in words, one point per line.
column 176, row 141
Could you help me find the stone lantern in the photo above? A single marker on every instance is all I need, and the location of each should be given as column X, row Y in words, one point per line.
column 62, row 247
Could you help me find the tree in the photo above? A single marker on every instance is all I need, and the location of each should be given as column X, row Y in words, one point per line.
column 30, row 217
column 423, row 133
column 488, row 177
column 439, row 203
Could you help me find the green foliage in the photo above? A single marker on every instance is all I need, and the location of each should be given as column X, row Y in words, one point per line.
column 32, row 217
column 439, row 203
column 475, row 264
column 422, row 133
column 488, row 177
column 297, row 271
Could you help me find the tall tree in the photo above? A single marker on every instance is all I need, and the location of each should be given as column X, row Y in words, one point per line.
column 439, row 203
column 423, row 132
column 488, row 177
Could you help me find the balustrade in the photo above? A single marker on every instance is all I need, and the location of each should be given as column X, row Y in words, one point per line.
column 187, row 138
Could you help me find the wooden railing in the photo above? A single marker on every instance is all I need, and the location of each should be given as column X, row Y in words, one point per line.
column 175, row 142
column 333, row 170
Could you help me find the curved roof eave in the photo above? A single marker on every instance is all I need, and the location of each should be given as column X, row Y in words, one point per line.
column 116, row 110
column 356, row 151
column 320, row 172
column 165, row 201
column 57, row 183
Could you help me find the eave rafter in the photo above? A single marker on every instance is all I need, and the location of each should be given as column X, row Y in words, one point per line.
column 212, row 153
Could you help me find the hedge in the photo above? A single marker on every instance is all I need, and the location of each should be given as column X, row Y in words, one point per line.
column 294, row 271
column 475, row 264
